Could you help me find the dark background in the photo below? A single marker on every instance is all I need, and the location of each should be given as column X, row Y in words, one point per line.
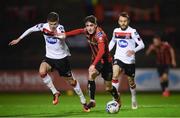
column 149, row 17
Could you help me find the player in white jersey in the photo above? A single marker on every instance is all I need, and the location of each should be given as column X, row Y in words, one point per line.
column 57, row 54
column 125, row 39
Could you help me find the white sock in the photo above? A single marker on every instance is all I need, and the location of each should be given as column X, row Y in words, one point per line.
column 115, row 83
column 79, row 92
column 48, row 81
column 133, row 94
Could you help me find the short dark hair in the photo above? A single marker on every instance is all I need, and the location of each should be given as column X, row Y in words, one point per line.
column 157, row 36
column 124, row 14
column 53, row 17
column 91, row 19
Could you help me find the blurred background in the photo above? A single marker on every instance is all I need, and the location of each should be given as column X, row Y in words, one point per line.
column 149, row 17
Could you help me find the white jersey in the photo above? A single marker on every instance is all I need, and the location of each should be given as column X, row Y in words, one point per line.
column 125, row 40
column 55, row 48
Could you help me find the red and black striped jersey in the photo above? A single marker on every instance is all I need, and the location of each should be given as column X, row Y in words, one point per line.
column 163, row 53
column 98, row 43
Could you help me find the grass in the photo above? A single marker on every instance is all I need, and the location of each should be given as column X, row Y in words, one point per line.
column 40, row 105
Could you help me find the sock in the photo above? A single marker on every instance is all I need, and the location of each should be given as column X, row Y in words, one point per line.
column 92, row 89
column 133, row 94
column 115, row 83
column 79, row 92
column 48, row 81
column 114, row 93
column 166, row 84
column 163, row 84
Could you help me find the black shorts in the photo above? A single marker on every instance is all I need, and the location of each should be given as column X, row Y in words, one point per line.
column 105, row 70
column 129, row 69
column 162, row 69
column 61, row 65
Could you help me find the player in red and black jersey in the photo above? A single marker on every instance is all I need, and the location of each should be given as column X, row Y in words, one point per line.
column 101, row 59
column 165, row 58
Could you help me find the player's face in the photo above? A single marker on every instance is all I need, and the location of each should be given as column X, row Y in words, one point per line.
column 157, row 42
column 53, row 25
column 123, row 22
column 90, row 27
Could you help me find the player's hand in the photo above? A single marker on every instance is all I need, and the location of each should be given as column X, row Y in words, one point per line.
column 130, row 53
column 60, row 35
column 92, row 68
column 173, row 63
column 14, row 42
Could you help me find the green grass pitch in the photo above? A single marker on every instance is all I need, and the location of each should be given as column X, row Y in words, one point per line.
column 40, row 104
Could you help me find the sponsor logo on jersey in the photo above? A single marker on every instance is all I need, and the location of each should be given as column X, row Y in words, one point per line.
column 51, row 40
column 39, row 26
column 99, row 34
column 61, row 28
column 123, row 35
column 136, row 33
column 123, row 43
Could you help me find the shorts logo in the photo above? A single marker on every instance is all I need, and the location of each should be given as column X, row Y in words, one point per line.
column 115, row 62
column 123, row 43
column 51, row 40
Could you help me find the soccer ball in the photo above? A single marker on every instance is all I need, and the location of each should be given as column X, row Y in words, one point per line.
column 112, row 107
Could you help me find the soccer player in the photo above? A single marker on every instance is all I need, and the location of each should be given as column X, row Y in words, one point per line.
column 101, row 60
column 165, row 58
column 56, row 57
column 125, row 38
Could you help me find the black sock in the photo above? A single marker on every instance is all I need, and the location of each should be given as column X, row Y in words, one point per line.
column 164, row 85
column 92, row 89
column 114, row 93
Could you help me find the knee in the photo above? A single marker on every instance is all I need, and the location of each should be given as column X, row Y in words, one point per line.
column 115, row 75
column 92, row 75
column 108, row 88
column 73, row 82
column 42, row 74
column 164, row 76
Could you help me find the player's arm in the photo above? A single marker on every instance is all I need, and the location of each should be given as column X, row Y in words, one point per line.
column 75, row 32
column 100, row 53
column 140, row 44
column 172, row 52
column 150, row 49
column 27, row 32
column 101, row 50
column 70, row 33
column 112, row 42
column 139, row 41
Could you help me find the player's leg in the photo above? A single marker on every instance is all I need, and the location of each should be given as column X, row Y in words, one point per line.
column 164, row 84
column 107, row 76
column 92, row 87
column 133, row 92
column 117, row 70
column 64, row 69
column 116, row 73
column 113, row 91
column 130, row 72
column 163, row 71
column 43, row 71
column 76, row 86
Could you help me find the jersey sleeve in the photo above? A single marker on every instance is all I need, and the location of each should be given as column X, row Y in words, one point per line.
column 112, row 42
column 100, row 53
column 100, row 38
column 61, row 29
column 36, row 28
column 75, row 32
column 138, row 40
